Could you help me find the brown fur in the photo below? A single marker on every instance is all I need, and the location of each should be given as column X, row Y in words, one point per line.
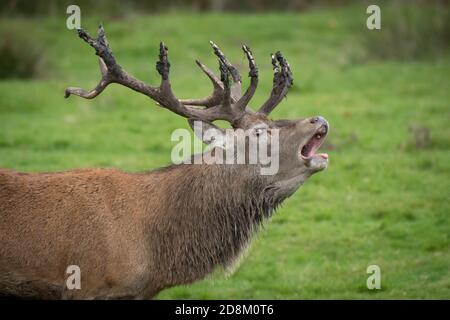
column 131, row 234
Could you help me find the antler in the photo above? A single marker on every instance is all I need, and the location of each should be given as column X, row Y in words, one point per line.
column 226, row 101
column 112, row 72
column 222, row 87
column 282, row 81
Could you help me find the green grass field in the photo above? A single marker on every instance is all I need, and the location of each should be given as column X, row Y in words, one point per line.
column 382, row 200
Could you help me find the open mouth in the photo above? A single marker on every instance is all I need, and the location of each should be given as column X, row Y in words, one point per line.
column 309, row 149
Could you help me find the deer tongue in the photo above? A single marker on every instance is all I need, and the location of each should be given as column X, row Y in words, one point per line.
column 310, row 148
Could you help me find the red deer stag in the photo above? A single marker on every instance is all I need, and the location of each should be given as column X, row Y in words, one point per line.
column 135, row 234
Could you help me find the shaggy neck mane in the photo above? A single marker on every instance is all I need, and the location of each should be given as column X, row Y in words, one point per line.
column 212, row 212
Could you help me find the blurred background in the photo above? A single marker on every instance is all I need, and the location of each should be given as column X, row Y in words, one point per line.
column 384, row 199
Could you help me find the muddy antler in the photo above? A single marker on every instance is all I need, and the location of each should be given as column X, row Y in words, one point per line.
column 222, row 88
column 226, row 101
column 112, row 72
column 282, row 81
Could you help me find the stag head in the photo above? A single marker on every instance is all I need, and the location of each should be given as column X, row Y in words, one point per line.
column 298, row 139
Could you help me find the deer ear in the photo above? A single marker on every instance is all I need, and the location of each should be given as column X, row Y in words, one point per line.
column 208, row 132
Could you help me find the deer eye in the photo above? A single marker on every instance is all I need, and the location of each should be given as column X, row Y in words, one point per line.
column 259, row 131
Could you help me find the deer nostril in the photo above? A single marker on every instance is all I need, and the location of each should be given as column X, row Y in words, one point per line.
column 314, row 120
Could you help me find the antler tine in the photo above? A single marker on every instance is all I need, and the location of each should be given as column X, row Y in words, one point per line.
column 163, row 64
column 223, row 61
column 112, row 72
column 282, row 81
column 226, row 69
column 98, row 88
column 231, row 94
column 212, row 100
column 101, row 49
column 253, row 74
